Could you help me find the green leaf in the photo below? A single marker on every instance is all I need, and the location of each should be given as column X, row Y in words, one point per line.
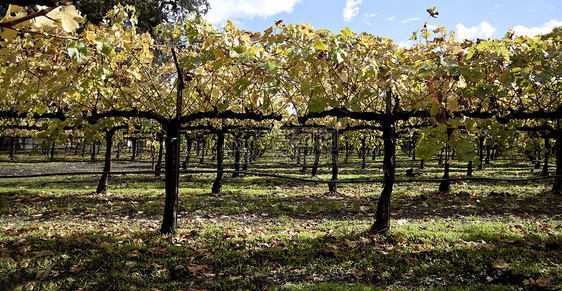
column 77, row 50
column 266, row 104
column 270, row 66
column 317, row 104
column 427, row 148
column 242, row 84
column 465, row 149
column 347, row 33
column 104, row 46
column 423, row 72
column 321, row 46
column 470, row 125
column 87, row 84
column 222, row 106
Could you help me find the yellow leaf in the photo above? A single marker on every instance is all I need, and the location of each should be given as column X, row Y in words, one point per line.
column 543, row 282
column 69, row 18
column 13, row 9
column 18, row 12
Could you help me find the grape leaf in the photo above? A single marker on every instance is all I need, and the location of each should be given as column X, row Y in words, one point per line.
column 77, row 50
column 321, row 46
column 317, row 104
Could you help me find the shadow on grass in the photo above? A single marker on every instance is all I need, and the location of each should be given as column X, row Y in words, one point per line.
column 109, row 259
column 270, row 199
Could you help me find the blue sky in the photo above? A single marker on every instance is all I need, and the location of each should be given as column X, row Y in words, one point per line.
column 395, row 19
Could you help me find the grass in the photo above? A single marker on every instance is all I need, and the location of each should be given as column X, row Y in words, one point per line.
column 268, row 233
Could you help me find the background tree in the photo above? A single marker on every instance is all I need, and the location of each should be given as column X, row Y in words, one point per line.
column 149, row 13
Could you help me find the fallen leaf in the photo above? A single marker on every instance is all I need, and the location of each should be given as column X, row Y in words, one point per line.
column 543, row 282
column 316, row 277
column 43, row 253
column 29, row 286
column 362, row 240
column 126, row 270
column 357, row 273
column 200, row 252
column 411, row 261
column 23, row 249
column 78, row 267
column 82, row 240
column 24, row 263
column 7, row 260
column 203, row 270
column 350, row 244
column 499, row 263
column 42, row 274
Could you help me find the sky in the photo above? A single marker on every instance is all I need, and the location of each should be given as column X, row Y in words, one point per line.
column 395, row 19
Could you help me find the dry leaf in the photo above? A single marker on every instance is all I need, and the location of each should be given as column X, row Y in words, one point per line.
column 357, row 273
column 42, row 274
column 411, row 261
column 24, row 263
column 350, row 244
column 29, row 286
column 126, row 270
column 316, row 277
column 78, row 267
column 43, row 253
column 543, row 282
column 201, row 270
column 200, row 252
column 499, row 263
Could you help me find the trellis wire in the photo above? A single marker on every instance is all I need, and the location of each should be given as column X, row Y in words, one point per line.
column 343, row 181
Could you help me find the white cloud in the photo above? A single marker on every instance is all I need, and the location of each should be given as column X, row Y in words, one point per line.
column 366, row 17
column 410, row 20
column 223, row 10
column 405, row 43
column 391, row 18
column 351, row 9
column 483, row 30
column 546, row 28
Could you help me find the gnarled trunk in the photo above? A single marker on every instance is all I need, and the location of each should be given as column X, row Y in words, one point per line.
column 217, row 185
column 333, row 187
column 158, row 166
column 544, row 171
column 363, row 153
column 316, row 155
column 557, row 188
column 104, row 181
column 188, row 155
column 237, row 145
column 170, row 221
column 247, row 152
column 382, row 216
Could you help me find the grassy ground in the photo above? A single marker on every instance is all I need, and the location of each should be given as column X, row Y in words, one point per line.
column 269, row 233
